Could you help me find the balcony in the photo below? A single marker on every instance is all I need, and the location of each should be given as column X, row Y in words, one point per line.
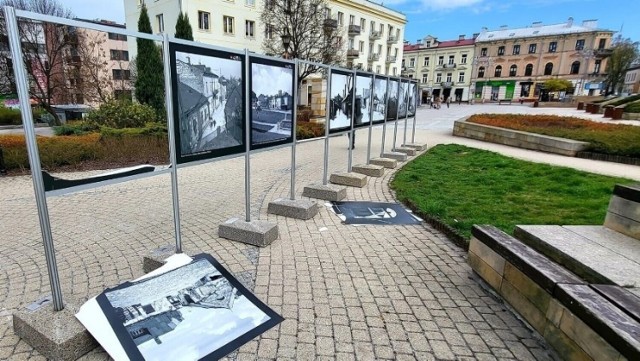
column 330, row 23
column 373, row 57
column 603, row 53
column 353, row 53
column 391, row 59
column 449, row 66
column 392, row 39
column 374, row 35
column 446, row 84
column 354, row 30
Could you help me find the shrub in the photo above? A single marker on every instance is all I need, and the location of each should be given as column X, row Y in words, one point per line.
column 76, row 128
column 307, row 130
column 9, row 116
column 122, row 114
column 150, row 129
column 304, row 114
column 632, row 108
column 625, row 100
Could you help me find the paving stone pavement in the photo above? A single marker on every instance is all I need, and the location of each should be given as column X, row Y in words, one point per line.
column 346, row 292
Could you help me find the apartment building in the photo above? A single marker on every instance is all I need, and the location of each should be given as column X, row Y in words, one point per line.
column 514, row 63
column 442, row 68
column 632, row 80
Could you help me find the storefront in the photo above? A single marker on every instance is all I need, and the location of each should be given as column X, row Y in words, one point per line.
column 494, row 90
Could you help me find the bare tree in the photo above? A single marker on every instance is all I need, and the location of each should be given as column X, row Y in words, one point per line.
column 305, row 25
column 45, row 48
column 623, row 53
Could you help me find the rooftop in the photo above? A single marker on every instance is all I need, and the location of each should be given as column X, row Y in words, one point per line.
column 537, row 29
column 439, row 44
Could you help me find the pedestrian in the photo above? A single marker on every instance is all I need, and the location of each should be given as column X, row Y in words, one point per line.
column 459, row 99
column 448, row 101
column 3, row 168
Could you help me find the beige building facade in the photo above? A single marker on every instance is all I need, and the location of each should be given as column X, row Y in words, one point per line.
column 442, row 68
column 514, row 63
column 632, row 80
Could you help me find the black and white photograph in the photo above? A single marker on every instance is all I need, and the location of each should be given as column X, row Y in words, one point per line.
column 197, row 311
column 379, row 100
column 373, row 213
column 272, row 102
column 412, row 100
column 362, row 112
column 392, row 100
column 402, row 100
column 208, row 89
column 341, row 97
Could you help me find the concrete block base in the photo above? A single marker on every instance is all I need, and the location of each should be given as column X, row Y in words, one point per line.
column 298, row 209
column 401, row 157
column 385, row 162
column 407, row 151
column 55, row 335
column 157, row 257
column 416, row 146
column 371, row 170
column 257, row 233
column 327, row 192
column 350, row 179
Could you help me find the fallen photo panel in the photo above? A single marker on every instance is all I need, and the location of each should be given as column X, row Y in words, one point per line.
column 340, row 111
column 197, row 311
column 208, row 102
column 272, row 102
column 379, row 100
column 374, row 213
column 362, row 112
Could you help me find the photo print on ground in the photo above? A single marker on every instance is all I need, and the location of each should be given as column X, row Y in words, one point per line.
column 362, row 112
column 392, row 100
column 340, row 105
column 412, row 100
column 373, row 213
column 379, row 99
column 208, row 88
column 194, row 312
column 272, row 102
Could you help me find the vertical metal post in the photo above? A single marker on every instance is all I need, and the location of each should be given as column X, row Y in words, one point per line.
column 386, row 112
column 325, row 174
column 372, row 87
column 415, row 114
column 395, row 126
column 352, row 132
column 34, row 158
column 247, row 139
column 406, row 114
column 294, row 124
column 172, row 144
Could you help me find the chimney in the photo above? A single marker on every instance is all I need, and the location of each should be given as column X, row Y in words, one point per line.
column 475, row 35
column 570, row 22
column 591, row 24
column 461, row 37
column 503, row 27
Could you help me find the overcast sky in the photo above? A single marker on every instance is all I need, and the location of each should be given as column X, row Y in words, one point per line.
column 268, row 79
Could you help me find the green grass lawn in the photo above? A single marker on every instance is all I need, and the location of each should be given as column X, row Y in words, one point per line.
column 463, row 186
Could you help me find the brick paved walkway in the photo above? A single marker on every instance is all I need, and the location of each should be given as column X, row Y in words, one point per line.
column 368, row 292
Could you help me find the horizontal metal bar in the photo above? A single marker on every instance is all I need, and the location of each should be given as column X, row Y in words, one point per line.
column 85, row 24
column 212, row 160
column 261, row 150
column 309, row 140
column 320, row 65
column 84, row 187
column 204, row 45
column 274, row 58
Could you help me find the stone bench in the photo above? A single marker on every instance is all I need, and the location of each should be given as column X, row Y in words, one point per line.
column 578, row 319
column 504, row 101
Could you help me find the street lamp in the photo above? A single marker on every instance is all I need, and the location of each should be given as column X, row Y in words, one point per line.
column 286, row 42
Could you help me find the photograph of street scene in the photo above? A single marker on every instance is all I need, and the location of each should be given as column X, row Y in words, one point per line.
column 373, row 213
column 209, row 93
column 392, row 100
column 379, row 99
column 402, row 100
column 412, row 100
column 341, row 97
column 362, row 114
column 271, row 103
column 184, row 314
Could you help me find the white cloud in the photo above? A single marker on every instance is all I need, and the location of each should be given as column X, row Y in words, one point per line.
column 432, row 5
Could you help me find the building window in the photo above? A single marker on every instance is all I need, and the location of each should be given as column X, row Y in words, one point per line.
column 250, row 2
column 461, row 77
column 579, row 44
column 452, row 59
column 438, row 77
column 516, row 49
column 575, row 67
column 481, row 72
column 363, row 23
column 160, row 21
column 395, row 71
column 596, row 66
column 528, row 70
column 412, row 62
column 120, row 37
column 533, row 48
column 361, row 47
column 513, row 70
column 203, row 20
column 440, row 60
column 427, row 43
column 122, row 94
column 602, row 43
column 352, row 44
column 483, row 52
column 500, row 50
column 119, row 55
column 249, row 28
column 463, row 59
column 449, row 77
column 268, row 31
column 340, row 18
column 378, row 68
column 120, row 74
column 426, row 61
column 425, row 77
column 553, row 46
column 548, row 69
column 227, row 24
column 498, row 71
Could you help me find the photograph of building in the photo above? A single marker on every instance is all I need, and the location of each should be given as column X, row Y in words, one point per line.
column 271, row 103
column 379, row 99
column 362, row 114
column 411, row 110
column 392, row 100
column 402, row 100
column 210, row 100
column 184, row 314
column 341, row 97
